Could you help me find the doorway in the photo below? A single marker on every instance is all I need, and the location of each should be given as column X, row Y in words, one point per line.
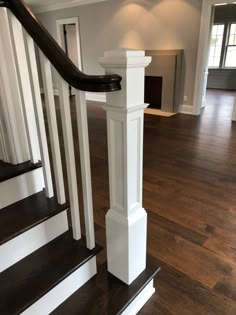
column 203, row 51
column 221, row 65
column 68, row 37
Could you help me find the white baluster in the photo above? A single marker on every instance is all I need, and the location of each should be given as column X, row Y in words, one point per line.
column 53, row 129
column 12, row 102
column 25, row 87
column 5, row 150
column 33, row 71
column 126, row 221
column 70, row 156
column 82, row 120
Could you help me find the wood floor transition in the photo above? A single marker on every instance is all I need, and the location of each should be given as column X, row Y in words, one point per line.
column 190, row 195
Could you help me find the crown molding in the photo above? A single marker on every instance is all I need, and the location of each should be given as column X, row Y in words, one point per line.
column 63, row 5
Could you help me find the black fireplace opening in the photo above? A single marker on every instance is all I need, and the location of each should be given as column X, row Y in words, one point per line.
column 153, row 91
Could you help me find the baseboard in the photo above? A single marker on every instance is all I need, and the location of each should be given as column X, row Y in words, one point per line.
column 203, row 103
column 20, row 187
column 63, row 290
column 97, row 97
column 26, row 243
column 136, row 305
column 186, row 109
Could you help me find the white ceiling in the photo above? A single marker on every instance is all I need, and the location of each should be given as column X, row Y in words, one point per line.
column 50, row 5
column 45, row 2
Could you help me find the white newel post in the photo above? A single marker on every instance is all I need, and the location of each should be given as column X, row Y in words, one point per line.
column 126, row 221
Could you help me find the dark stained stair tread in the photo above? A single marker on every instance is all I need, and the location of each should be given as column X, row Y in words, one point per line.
column 27, row 213
column 8, row 171
column 105, row 294
column 28, row 280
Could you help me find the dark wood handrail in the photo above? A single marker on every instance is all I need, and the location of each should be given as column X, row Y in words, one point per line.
column 65, row 67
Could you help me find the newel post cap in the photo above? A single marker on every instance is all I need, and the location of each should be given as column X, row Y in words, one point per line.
column 125, row 57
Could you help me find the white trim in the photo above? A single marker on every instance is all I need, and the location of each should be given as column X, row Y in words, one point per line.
column 140, row 300
column 28, row 242
column 55, row 91
column 186, row 109
column 20, row 187
column 63, row 290
column 65, row 5
column 203, row 52
column 234, row 110
column 60, row 40
column 97, row 97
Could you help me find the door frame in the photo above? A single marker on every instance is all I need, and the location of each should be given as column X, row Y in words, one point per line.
column 60, row 35
column 203, row 47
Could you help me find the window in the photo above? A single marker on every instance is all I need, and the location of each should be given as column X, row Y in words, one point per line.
column 230, row 59
column 216, row 45
column 223, row 46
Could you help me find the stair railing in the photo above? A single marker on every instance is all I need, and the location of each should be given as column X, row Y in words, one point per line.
column 126, row 221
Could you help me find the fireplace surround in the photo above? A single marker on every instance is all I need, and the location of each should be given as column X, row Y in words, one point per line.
column 164, row 79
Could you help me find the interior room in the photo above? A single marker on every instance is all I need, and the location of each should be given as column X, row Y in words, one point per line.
column 117, row 157
column 221, row 76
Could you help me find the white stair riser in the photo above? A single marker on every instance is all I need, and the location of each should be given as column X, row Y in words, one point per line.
column 136, row 305
column 20, row 187
column 64, row 290
column 31, row 240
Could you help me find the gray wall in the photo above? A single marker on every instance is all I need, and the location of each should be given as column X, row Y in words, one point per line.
column 224, row 79
column 140, row 24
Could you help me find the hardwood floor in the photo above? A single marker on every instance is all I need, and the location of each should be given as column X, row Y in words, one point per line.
column 190, row 195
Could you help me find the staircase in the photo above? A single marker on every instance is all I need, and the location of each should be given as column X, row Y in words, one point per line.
column 46, row 265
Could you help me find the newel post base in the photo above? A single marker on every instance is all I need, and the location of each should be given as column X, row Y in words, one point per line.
column 126, row 221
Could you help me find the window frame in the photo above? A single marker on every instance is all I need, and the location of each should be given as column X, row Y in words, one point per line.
column 225, row 45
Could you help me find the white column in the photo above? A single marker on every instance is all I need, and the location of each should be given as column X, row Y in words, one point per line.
column 234, row 109
column 206, row 73
column 126, row 221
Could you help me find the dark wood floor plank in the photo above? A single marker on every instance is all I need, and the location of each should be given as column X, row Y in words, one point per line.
column 187, row 257
column 179, row 294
